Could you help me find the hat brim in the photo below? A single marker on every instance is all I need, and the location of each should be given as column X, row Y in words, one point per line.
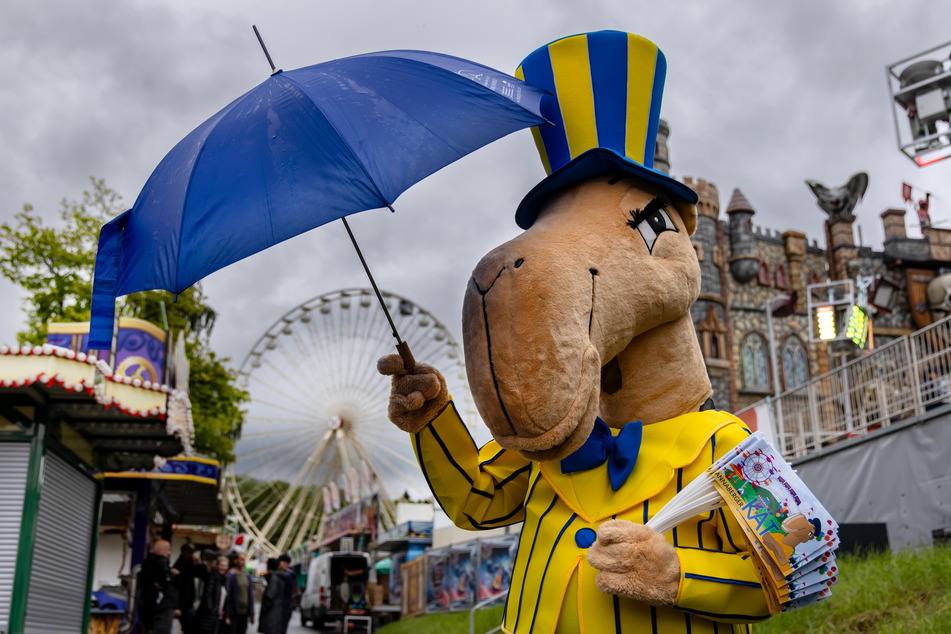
column 592, row 163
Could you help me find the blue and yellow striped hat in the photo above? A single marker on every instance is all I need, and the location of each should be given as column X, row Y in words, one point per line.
column 605, row 107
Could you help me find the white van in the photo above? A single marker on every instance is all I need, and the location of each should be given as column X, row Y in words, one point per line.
column 333, row 579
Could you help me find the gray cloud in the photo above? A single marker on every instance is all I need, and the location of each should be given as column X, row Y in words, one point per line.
column 759, row 96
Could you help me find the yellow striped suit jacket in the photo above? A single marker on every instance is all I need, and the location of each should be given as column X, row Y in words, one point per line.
column 553, row 587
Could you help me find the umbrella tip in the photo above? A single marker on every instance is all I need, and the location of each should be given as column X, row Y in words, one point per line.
column 274, row 69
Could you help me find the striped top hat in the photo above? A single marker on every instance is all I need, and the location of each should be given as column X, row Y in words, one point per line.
column 605, row 107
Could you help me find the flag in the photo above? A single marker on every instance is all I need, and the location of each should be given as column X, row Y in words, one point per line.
column 924, row 218
column 906, row 192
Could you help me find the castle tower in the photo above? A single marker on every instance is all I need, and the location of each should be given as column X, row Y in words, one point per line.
column 710, row 312
column 794, row 244
column 893, row 222
column 840, row 240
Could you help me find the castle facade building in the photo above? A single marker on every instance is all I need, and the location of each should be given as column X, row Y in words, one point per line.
column 746, row 269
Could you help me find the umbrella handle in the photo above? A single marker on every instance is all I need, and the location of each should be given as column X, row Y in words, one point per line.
column 409, row 363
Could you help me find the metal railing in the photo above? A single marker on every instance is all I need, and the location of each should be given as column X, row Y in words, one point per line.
column 897, row 381
column 484, row 604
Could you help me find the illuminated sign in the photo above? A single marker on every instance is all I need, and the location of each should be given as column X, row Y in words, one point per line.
column 857, row 330
column 825, row 320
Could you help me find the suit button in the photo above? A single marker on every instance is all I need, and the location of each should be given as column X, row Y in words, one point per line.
column 585, row 537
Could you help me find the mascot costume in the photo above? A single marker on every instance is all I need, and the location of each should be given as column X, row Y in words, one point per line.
column 584, row 364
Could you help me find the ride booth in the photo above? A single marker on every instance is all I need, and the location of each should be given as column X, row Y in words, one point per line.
column 400, row 544
column 457, row 577
column 66, row 418
column 179, row 499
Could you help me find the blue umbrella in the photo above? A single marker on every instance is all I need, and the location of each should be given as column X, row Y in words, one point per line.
column 303, row 148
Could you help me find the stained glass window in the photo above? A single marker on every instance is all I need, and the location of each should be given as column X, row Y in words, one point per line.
column 755, row 360
column 795, row 363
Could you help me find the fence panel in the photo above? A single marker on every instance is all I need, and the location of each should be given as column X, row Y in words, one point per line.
column 901, row 379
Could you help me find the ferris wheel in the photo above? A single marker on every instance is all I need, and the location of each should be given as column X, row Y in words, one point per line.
column 316, row 435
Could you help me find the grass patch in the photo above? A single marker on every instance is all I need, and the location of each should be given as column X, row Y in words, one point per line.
column 449, row 623
column 904, row 592
column 908, row 592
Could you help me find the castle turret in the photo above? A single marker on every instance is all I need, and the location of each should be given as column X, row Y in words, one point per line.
column 744, row 265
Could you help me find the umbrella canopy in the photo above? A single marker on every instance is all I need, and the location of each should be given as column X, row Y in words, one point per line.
column 303, row 148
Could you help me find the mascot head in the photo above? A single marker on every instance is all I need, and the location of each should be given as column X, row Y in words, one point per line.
column 606, row 257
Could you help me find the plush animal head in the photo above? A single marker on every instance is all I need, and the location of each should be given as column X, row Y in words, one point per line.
column 607, row 261
column 839, row 202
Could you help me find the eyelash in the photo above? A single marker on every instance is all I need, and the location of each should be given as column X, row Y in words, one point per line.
column 652, row 221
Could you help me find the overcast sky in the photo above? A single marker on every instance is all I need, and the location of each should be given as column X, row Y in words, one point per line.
column 760, row 96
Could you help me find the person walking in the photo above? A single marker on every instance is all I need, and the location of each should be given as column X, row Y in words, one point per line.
column 210, row 615
column 159, row 596
column 271, row 619
column 289, row 578
column 239, row 606
column 189, row 571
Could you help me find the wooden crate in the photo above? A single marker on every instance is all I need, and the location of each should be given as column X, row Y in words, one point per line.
column 414, row 587
column 375, row 594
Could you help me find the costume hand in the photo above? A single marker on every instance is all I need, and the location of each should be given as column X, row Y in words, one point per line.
column 416, row 397
column 636, row 562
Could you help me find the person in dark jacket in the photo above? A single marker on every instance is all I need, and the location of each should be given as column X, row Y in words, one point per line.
column 239, row 606
column 210, row 613
column 159, row 596
column 189, row 570
column 289, row 590
column 271, row 617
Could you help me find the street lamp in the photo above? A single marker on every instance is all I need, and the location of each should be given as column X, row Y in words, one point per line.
column 782, row 305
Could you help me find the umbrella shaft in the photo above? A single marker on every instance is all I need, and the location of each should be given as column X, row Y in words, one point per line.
column 409, row 363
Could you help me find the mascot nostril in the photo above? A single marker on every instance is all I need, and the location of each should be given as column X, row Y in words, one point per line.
column 584, row 364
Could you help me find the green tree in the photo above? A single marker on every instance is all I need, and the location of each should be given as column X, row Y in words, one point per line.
column 55, row 264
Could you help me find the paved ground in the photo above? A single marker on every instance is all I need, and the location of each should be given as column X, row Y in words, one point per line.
column 296, row 628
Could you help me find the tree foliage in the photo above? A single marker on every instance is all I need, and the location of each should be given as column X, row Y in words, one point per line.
column 55, row 263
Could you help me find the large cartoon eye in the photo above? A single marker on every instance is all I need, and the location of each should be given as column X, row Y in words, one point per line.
column 651, row 221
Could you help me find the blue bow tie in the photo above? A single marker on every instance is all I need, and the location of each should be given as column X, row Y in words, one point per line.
column 620, row 451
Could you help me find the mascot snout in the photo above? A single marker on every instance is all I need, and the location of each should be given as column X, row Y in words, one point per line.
column 532, row 368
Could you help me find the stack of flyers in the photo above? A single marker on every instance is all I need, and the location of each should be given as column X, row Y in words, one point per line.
column 792, row 535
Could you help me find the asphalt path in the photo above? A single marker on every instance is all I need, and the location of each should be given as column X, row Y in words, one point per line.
column 296, row 628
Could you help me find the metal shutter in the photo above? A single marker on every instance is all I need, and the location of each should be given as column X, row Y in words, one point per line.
column 57, row 599
column 14, row 466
